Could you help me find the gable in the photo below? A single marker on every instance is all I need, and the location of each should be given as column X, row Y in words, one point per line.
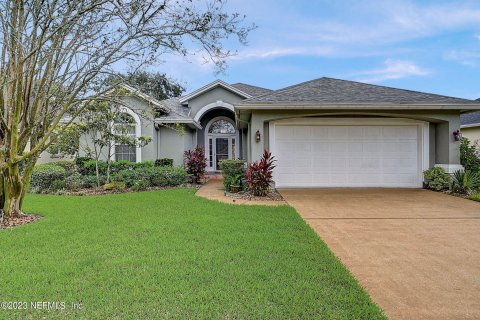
column 211, row 96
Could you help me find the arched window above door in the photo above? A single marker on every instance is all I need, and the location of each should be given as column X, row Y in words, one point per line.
column 221, row 126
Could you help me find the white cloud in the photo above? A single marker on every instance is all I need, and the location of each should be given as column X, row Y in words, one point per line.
column 274, row 52
column 465, row 57
column 349, row 28
column 393, row 69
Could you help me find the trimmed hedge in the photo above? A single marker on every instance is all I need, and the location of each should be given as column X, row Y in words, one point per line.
column 52, row 177
column 115, row 166
column 168, row 176
column 45, row 175
column 156, row 176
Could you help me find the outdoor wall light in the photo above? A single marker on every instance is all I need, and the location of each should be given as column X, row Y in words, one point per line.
column 457, row 135
column 258, row 136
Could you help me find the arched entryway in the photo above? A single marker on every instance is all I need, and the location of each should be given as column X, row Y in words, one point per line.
column 221, row 141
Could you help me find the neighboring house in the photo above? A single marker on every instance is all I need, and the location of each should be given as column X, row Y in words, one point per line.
column 471, row 125
column 323, row 133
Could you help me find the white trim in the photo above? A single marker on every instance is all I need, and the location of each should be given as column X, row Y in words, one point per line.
column 138, row 133
column 423, row 134
column 358, row 106
column 219, row 135
column 471, row 125
column 216, row 83
column 210, row 106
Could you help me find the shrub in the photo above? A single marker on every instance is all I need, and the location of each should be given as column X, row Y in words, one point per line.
column 58, row 185
column 465, row 182
column 141, row 185
column 232, row 181
column 114, row 186
column 44, row 175
column 475, row 197
column 232, row 172
column 436, row 178
column 144, row 164
column 469, row 156
column 91, row 181
column 117, row 166
column 168, row 176
column 129, row 177
column 74, row 181
column 195, row 163
column 156, row 176
column 259, row 174
column 232, row 167
column 89, row 167
column 164, row 162
column 80, row 162
column 69, row 166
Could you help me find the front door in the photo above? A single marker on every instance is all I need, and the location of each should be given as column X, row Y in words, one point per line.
column 222, row 145
column 220, row 148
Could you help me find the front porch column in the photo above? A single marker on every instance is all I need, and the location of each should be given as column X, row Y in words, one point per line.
column 447, row 153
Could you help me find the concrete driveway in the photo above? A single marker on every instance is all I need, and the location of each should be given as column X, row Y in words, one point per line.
column 416, row 252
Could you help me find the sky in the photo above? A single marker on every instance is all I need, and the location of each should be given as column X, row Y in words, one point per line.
column 429, row 45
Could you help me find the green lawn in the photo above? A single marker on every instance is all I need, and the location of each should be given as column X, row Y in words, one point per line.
column 169, row 254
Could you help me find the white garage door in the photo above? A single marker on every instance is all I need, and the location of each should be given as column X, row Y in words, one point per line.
column 347, row 155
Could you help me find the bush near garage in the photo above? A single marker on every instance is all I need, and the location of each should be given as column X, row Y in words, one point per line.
column 437, row 179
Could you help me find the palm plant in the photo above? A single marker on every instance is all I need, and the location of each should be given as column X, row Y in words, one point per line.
column 465, row 182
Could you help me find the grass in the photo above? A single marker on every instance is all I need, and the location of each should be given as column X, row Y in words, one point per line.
column 170, row 255
column 475, row 197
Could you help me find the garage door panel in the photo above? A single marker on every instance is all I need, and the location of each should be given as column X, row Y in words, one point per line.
column 346, row 156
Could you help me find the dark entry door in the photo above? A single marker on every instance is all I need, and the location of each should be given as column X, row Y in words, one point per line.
column 221, row 151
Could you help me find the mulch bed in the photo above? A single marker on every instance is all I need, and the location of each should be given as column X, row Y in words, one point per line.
column 19, row 221
column 271, row 196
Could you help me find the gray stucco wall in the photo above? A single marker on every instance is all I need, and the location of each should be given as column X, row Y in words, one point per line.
column 212, row 96
column 172, row 145
column 443, row 149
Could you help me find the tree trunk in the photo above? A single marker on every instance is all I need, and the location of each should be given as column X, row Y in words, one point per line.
column 97, row 173
column 13, row 191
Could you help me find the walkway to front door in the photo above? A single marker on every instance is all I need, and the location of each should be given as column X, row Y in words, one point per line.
column 416, row 252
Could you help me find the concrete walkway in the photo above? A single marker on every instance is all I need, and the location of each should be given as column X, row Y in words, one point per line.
column 416, row 252
column 213, row 190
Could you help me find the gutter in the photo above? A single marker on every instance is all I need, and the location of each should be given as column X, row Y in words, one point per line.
column 462, row 107
column 471, row 125
column 184, row 121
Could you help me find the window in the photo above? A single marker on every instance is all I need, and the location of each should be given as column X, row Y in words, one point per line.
column 126, row 125
column 222, row 126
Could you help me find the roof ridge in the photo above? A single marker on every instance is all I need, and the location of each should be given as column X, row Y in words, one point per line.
column 250, row 85
column 285, row 88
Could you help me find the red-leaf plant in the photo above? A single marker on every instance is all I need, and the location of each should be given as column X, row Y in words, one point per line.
column 259, row 174
column 195, row 163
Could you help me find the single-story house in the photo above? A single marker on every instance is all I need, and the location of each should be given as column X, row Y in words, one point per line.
column 323, row 133
column 470, row 125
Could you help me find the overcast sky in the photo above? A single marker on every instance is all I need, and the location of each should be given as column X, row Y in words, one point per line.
column 427, row 45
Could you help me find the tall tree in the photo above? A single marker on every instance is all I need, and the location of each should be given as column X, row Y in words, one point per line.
column 155, row 84
column 55, row 52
